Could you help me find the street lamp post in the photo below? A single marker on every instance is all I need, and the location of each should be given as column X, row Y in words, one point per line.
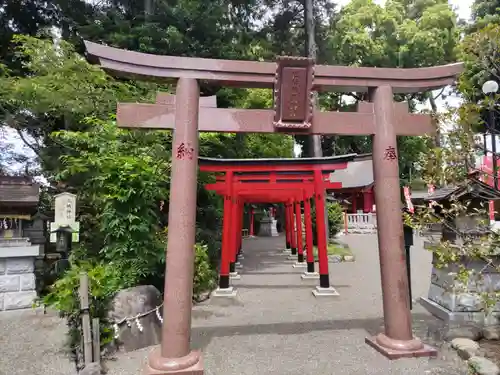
column 490, row 88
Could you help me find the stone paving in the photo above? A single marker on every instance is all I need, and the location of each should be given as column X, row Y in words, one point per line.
column 275, row 324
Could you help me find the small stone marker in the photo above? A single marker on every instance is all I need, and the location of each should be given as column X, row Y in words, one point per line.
column 483, row 366
column 465, row 348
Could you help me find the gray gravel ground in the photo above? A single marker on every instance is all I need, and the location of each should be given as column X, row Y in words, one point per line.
column 275, row 325
column 32, row 343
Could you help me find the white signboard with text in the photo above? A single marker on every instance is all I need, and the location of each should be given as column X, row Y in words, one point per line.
column 65, row 209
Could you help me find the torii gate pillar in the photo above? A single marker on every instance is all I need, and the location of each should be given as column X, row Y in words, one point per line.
column 397, row 341
column 174, row 354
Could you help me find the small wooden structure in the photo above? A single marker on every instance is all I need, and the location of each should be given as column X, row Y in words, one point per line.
column 448, row 299
column 21, row 240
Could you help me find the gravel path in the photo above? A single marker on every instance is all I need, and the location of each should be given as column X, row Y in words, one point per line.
column 32, row 343
column 275, row 325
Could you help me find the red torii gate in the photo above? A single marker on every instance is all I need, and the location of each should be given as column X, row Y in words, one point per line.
column 259, row 178
column 282, row 193
column 232, row 238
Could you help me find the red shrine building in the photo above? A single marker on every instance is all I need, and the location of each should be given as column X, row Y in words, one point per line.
column 357, row 195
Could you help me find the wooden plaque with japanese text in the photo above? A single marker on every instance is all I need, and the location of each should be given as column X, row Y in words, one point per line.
column 293, row 99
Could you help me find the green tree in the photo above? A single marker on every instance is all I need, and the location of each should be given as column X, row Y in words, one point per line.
column 480, row 52
column 60, row 90
column 121, row 177
column 484, row 13
column 400, row 34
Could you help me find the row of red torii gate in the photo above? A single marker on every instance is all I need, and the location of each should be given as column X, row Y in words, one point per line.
column 293, row 182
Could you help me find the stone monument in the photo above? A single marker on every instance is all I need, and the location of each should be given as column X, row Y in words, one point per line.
column 268, row 225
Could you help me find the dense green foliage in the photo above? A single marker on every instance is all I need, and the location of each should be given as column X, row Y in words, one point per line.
column 451, row 165
column 335, row 220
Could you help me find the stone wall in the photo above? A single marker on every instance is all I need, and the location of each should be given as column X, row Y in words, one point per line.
column 17, row 283
column 450, row 300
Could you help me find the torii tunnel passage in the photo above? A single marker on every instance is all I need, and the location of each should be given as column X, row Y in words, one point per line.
column 293, row 80
column 289, row 181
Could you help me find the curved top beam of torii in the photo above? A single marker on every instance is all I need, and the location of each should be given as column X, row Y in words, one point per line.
column 262, row 74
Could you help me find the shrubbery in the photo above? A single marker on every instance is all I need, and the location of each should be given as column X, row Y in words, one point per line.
column 335, row 220
column 105, row 280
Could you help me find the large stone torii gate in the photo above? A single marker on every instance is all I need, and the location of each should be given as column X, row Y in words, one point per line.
column 293, row 80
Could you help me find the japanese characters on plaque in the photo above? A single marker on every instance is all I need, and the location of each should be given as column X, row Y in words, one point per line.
column 293, row 93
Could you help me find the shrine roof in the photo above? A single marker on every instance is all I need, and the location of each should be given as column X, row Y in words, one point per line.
column 19, row 191
column 359, row 173
column 472, row 187
column 268, row 162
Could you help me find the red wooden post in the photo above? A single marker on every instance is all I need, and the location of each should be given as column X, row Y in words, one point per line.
column 367, row 201
column 251, row 231
column 234, row 229
column 241, row 207
column 293, row 233
column 324, row 277
column 298, row 221
column 226, row 236
column 354, row 199
column 288, row 227
column 309, row 235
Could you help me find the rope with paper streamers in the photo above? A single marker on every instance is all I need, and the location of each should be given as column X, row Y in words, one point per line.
column 135, row 319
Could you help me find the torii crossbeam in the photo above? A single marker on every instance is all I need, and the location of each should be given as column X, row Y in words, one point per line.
column 293, row 80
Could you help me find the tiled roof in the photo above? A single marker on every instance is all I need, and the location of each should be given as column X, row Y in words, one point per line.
column 472, row 186
column 18, row 190
column 359, row 173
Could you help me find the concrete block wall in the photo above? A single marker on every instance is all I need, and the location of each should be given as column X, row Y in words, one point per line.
column 17, row 283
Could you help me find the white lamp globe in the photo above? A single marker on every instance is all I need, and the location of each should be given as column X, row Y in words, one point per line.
column 490, row 87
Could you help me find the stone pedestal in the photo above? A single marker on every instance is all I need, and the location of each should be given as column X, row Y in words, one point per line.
column 224, row 292
column 451, row 301
column 268, row 227
column 325, row 292
column 310, row 276
column 17, row 277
